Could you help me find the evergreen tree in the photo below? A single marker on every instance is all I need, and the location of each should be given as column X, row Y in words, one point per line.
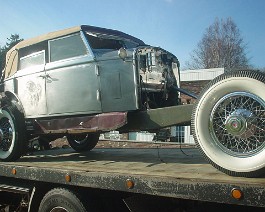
column 11, row 41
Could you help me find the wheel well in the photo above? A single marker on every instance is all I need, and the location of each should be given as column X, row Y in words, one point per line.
column 11, row 98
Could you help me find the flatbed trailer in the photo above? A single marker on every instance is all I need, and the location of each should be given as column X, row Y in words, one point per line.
column 178, row 177
column 124, row 85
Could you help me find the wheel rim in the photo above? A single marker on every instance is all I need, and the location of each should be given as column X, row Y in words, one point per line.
column 6, row 134
column 237, row 124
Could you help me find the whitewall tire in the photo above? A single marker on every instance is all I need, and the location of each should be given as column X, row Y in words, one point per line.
column 12, row 134
column 228, row 123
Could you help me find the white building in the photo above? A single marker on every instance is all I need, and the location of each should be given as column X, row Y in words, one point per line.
column 200, row 74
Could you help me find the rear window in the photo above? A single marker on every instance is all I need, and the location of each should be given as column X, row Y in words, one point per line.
column 67, row 47
column 34, row 59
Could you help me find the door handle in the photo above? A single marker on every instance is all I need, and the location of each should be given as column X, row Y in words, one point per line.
column 44, row 76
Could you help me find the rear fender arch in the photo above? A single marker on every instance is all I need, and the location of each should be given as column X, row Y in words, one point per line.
column 11, row 98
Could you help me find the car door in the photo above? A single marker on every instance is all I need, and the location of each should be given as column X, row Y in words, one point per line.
column 71, row 81
column 31, row 84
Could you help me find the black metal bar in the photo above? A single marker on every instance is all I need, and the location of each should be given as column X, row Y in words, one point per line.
column 184, row 92
column 14, row 189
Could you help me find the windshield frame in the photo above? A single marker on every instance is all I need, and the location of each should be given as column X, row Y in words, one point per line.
column 122, row 39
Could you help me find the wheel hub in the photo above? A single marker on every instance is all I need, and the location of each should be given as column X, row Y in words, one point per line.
column 240, row 123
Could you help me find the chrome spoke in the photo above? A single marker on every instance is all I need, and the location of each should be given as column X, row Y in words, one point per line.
column 6, row 134
column 237, row 123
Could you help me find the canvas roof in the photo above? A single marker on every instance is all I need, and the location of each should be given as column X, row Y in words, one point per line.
column 12, row 54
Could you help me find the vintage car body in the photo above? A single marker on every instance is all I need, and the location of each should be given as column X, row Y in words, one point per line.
column 86, row 80
column 71, row 72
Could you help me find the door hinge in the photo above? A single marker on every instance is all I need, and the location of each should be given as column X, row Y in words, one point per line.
column 97, row 70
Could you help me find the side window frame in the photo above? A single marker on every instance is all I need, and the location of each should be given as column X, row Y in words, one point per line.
column 87, row 50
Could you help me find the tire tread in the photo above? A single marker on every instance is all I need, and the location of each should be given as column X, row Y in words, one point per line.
column 63, row 193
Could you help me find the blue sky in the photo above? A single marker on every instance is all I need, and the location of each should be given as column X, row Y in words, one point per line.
column 175, row 25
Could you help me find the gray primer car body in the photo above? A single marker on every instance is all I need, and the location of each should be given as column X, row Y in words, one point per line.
column 82, row 73
column 83, row 81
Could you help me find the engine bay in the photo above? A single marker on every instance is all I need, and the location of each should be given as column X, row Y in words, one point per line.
column 158, row 72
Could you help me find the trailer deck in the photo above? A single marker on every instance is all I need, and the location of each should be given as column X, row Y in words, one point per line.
column 156, row 171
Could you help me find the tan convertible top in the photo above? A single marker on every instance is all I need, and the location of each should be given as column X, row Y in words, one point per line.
column 12, row 54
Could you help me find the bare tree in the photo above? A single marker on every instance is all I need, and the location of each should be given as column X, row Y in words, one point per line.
column 221, row 47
